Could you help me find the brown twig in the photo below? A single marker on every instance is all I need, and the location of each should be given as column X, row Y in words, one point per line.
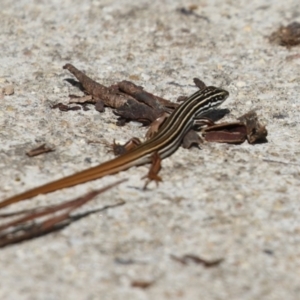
column 64, row 107
column 280, row 162
column 39, row 150
column 185, row 259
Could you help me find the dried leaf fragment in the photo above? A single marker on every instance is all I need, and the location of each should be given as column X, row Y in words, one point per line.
column 256, row 132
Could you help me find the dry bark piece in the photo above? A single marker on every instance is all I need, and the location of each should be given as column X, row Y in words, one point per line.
column 256, row 132
column 39, row 150
column 137, row 111
column 185, row 259
column 29, row 226
column 287, row 36
column 64, row 107
column 231, row 133
column 145, row 107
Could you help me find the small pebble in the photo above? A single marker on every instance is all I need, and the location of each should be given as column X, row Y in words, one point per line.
column 240, row 83
column 135, row 123
column 8, row 90
column 56, row 89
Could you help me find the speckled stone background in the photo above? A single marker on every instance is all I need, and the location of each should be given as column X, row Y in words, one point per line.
column 223, row 201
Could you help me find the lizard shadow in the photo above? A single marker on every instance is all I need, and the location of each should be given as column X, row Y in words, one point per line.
column 217, row 114
column 76, row 84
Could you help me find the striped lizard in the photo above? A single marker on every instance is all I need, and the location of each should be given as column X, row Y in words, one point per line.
column 161, row 145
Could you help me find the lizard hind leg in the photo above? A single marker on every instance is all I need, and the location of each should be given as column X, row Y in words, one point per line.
column 153, row 171
column 119, row 149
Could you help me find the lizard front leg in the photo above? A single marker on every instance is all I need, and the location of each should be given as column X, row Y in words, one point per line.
column 154, row 169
